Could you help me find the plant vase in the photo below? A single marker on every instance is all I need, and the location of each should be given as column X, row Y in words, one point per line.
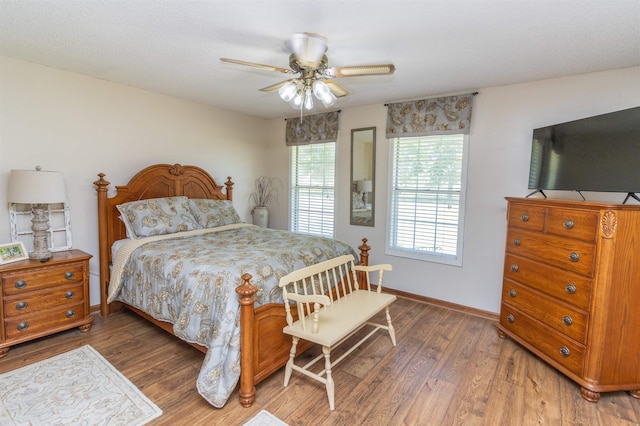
column 260, row 216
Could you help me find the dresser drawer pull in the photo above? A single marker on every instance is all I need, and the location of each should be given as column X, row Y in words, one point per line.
column 565, row 351
column 71, row 313
column 516, row 242
column 21, row 306
column 510, row 318
column 512, row 293
column 69, row 294
column 567, row 320
column 22, row 326
column 574, row 257
column 21, row 284
column 570, row 288
column 69, row 275
column 568, row 224
column 524, row 217
column 514, row 267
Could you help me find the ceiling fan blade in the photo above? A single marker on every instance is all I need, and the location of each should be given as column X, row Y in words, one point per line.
column 360, row 70
column 308, row 48
column 336, row 88
column 277, row 86
column 254, row 65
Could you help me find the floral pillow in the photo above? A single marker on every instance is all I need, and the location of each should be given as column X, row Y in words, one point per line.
column 157, row 216
column 212, row 213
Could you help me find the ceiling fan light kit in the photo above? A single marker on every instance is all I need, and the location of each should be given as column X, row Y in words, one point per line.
column 309, row 60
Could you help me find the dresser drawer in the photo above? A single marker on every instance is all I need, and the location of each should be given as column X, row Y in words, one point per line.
column 582, row 225
column 556, row 346
column 36, row 278
column 572, row 255
column 526, row 216
column 557, row 283
column 25, row 325
column 568, row 321
column 26, row 303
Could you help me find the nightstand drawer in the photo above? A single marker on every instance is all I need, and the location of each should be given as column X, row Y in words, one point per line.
column 568, row 321
column 554, row 345
column 572, row 255
column 25, row 325
column 569, row 287
column 35, row 302
column 36, row 278
column 582, row 225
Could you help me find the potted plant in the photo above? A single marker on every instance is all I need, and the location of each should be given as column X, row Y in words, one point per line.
column 266, row 192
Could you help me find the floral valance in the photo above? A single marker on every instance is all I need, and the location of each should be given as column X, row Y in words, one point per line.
column 435, row 116
column 318, row 128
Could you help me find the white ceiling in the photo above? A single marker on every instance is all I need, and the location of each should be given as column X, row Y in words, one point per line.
column 438, row 47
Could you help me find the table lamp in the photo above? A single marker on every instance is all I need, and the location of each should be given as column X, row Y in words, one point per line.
column 364, row 187
column 38, row 188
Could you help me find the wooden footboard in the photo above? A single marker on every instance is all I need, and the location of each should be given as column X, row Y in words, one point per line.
column 264, row 348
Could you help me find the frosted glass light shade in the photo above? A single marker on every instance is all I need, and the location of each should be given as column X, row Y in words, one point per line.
column 36, row 187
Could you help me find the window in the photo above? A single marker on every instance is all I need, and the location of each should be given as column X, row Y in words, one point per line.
column 427, row 197
column 313, row 188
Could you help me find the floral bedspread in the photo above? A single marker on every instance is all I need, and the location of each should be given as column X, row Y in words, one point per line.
column 190, row 281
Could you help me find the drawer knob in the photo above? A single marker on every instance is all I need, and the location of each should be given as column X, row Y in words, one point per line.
column 514, row 267
column 21, row 306
column 568, row 224
column 512, row 293
column 570, row 288
column 69, row 275
column 22, row 326
column 516, row 242
column 71, row 313
column 524, row 217
column 574, row 257
column 21, row 284
column 69, row 294
column 567, row 320
column 510, row 318
column 565, row 351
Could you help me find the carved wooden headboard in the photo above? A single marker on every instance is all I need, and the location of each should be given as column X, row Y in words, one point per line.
column 159, row 180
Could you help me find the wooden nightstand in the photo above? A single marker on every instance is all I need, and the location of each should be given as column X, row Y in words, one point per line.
column 42, row 298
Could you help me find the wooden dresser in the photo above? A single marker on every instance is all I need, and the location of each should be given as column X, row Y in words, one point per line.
column 41, row 298
column 571, row 290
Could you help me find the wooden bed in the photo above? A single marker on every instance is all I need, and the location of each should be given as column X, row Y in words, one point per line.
column 264, row 348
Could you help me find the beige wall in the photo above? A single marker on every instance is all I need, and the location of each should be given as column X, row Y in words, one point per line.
column 82, row 126
column 500, row 143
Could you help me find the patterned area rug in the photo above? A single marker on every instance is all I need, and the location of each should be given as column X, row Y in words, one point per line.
column 265, row 418
column 78, row 387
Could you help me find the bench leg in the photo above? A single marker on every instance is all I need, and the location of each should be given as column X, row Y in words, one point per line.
column 329, row 380
column 392, row 331
column 289, row 367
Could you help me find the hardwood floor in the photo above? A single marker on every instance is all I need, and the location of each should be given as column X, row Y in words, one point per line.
column 448, row 368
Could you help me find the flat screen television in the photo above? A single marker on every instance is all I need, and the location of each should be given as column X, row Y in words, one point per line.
column 600, row 153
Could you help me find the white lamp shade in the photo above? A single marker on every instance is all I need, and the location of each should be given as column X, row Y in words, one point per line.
column 36, row 187
column 364, row 186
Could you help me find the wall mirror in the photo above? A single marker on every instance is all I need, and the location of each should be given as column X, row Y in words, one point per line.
column 363, row 160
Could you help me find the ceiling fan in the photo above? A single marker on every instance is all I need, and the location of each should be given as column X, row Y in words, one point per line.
column 309, row 61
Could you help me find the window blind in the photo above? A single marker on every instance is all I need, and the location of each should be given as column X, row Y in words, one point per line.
column 425, row 214
column 313, row 189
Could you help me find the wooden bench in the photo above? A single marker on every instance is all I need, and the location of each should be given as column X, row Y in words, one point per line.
column 332, row 307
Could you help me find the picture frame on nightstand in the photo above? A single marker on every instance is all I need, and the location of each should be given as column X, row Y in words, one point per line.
column 13, row 252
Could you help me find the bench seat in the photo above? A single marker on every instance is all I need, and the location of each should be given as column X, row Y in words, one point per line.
column 332, row 306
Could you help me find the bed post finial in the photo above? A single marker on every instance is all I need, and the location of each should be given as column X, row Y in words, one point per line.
column 364, row 252
column 229, row 185
column 247, row 314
